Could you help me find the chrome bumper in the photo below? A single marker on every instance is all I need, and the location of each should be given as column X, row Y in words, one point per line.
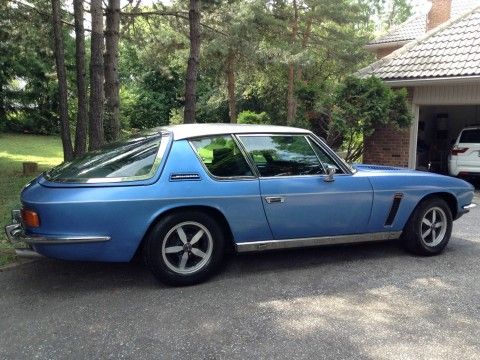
column 16, row 234
column 469, row 207
column 466, row 209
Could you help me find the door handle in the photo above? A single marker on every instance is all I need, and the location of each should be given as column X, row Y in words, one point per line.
column 274, row 199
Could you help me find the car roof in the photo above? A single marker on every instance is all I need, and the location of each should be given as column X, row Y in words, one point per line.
column 186, row 131
column 473, row 127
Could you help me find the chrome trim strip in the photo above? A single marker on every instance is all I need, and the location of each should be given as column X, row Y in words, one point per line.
column 16, row 233
column 192, row 176
column 315, row 241
column 469, row 207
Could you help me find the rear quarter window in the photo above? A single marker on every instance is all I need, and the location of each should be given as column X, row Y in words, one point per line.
column 470, row 136
column 221, row 156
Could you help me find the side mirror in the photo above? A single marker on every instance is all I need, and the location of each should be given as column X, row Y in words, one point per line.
column 330, row 172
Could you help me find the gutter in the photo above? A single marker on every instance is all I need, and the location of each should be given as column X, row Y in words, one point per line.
column 451, row 80
column 387, row 44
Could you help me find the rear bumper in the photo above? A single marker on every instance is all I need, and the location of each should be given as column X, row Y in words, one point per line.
column 16, row 234
column 460, row 168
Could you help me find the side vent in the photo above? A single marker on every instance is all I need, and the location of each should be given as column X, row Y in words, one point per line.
column 185, row 177
column 397, row 199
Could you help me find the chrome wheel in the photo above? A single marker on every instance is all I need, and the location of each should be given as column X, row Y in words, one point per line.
column 187, row 247
column 433, row 226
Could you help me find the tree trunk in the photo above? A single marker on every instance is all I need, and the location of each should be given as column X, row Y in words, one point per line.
column 112, row 93
column 62, row 82
column 81, row 129
column 96, row 135
column 306, row 37
column 3, row 111
column 193, row 61
column 230, row 72
column 291, row 101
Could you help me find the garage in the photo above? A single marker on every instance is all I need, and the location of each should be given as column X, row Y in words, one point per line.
column 438, row 129
column 439, row 65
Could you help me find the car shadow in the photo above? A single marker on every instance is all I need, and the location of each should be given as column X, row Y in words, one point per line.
column 45, row 275
column 353, row 301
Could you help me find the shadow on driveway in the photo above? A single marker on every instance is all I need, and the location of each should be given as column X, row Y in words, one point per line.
column 362, row 301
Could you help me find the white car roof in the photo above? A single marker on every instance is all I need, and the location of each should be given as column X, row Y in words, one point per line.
column 471, row 128
column 186, row 131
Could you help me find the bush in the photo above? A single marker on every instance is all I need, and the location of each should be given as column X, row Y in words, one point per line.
column 251, row 117
column 362, row 105
column 150, row 104
column 32, row 122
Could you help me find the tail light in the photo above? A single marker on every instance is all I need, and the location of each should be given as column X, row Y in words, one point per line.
column 458, row 150
column 30, row 218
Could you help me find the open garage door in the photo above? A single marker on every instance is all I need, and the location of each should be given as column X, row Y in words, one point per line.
column 438, row 128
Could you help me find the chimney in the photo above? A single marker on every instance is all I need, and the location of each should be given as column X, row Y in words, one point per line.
column 439, row 13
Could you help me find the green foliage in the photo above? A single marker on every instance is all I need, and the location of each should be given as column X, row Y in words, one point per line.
column 384, row 14
column 28, row 86
column 256, row 35
column 32, row 122
column 251, row 117
column 362, row 105
column 15, row 149
column 150, row 103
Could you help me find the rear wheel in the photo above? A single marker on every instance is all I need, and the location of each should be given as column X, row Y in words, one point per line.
column 184, row 248
column 429, row 228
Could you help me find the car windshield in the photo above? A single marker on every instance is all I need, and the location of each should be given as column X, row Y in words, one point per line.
column 130, row 158
column 470, row 136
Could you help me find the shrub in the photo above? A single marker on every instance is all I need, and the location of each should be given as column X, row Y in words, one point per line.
column 361, row 105
column 251, row 117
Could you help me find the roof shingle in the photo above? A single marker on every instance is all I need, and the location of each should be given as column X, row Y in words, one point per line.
column 452, row 49
column 415, row 26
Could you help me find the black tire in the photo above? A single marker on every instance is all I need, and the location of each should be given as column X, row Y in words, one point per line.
column 163, row 236
column 412, row 233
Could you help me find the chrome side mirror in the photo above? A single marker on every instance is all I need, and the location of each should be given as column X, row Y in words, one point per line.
column 330, row 172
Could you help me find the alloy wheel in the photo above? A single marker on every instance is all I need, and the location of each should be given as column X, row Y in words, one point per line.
column 187, row 247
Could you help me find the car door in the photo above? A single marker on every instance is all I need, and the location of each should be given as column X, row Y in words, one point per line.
column 298, row 202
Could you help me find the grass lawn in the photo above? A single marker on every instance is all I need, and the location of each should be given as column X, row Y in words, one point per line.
column 15, row 149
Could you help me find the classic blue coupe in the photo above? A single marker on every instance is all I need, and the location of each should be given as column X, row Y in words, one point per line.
column 183, row 195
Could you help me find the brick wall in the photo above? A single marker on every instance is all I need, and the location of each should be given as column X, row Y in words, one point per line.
column 387, row 146
column 439, row 13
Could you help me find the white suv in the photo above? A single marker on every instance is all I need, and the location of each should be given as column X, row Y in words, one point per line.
column 464, row 159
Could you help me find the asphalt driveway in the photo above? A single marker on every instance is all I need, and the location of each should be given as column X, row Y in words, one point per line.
column 363, row 301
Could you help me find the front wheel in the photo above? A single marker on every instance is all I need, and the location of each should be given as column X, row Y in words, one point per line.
column 184, row 248
column 429, row 228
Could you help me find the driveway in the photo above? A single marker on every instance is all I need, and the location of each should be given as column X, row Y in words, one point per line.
column 368, row 301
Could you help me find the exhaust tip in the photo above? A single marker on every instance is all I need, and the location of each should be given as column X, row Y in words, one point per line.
column 27, row 253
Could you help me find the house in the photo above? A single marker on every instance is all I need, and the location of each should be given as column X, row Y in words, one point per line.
column 437, row 58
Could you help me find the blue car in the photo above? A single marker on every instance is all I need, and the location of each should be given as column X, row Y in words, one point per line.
column 184, row 195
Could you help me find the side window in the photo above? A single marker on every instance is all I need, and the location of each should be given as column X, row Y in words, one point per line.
column 221, row 156
column 282, row 155
column 325, row 158
column 470, row 136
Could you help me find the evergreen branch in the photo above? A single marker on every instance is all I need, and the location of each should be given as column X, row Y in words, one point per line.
column 176, row 14
column 45, row 14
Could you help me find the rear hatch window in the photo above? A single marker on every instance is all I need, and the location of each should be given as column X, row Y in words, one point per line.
column 131, row 159
column 470, row 136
